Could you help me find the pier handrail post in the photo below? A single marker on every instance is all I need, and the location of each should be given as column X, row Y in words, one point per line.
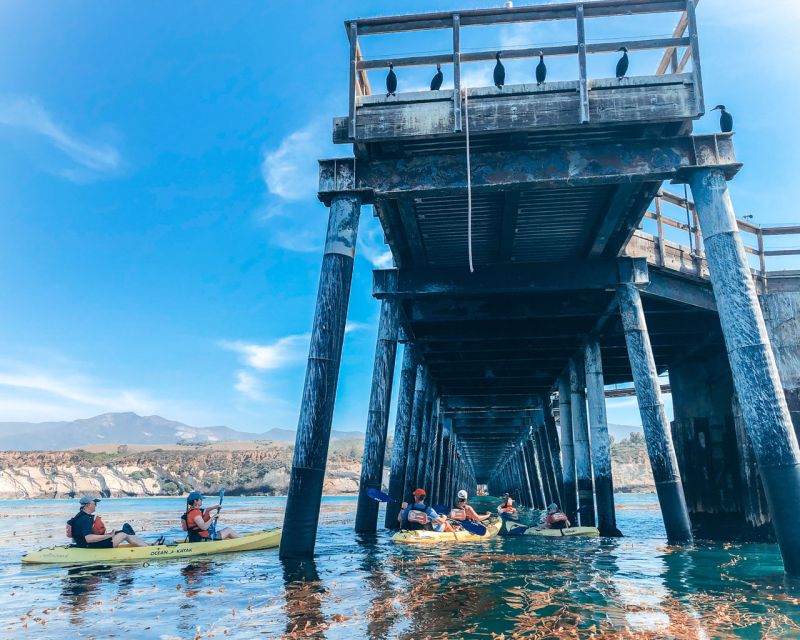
column 755, row 374
column 582, row 78
column 378, row 417
column 601, row 448
column 580, row 435
column 658, row 437
column 322, row 375
column 570, row 505
column 456, row 72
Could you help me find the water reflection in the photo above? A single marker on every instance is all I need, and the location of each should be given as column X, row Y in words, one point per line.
column 81, row 587
column 304, row 596
column 381, row 614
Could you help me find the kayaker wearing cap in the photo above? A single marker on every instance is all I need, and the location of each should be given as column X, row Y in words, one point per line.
column 197, row 520
column 418, row 515
column 507, row 506
column 556, row 519
column 463, row 511
column 88, row 530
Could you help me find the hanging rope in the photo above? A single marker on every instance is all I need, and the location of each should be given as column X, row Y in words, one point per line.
column 688, row 217
column 469, row 184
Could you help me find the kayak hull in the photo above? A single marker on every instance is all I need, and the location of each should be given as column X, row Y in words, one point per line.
column 513, row 529
column 443, row 537
column 126, row 553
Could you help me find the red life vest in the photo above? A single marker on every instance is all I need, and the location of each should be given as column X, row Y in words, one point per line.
column 557, row 517
column 419, row 517
column 191, row 525
column 98, row 528
column 458, row 514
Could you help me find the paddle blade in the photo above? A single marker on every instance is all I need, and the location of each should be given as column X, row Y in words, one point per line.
column 516, row 530
column 380, row 496
column 221, row 495
column 473, row 527
column 441, row 509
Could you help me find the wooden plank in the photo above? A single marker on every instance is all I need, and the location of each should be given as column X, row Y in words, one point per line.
column 366, row 89
column 660, row 225
column 583, row 88
column 695, row 48
column 405, row 210
column 780, row 231
column 633, row 45
column 614, row 213
column 456, row 73
column 783, row 252
column 687, row 55
column 508, row 226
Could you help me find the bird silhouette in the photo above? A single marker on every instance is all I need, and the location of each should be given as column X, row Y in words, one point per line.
column 541, row 70
column 391, row 81
column 622, row 64
column 725, row 119
column 436, row 81
column 499, row 73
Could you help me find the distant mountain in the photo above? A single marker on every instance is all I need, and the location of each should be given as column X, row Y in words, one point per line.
column 129, row 428
column 622, row 431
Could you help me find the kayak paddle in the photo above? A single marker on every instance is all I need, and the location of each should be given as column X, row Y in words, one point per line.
column 212, row 530
column 473, row 527
column 380, row 496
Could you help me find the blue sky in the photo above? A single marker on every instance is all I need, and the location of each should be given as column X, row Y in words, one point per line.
column 159, row 233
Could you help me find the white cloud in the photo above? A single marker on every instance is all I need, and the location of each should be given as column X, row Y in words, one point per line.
column 92, row 158
column 291, row 170
column 372, row 247
column 249, row 386
column 276, row 355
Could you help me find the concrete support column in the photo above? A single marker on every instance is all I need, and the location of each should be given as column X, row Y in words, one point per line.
column 601, row 449
column 415, row 434
column 547, row 456
column 378, row 418
column 430, row 458
column 538, row 491
column 322, row 375
column 580, row 434
column 526, row 473
column 755, row 374
column 540, row 455
column 437, row 460
column 520, row 479
column 426, row 437
column 555, row 449
column 402, row 433
column 569, row 497
column 654, row 419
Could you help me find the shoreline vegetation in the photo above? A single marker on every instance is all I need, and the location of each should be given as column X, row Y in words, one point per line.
column 255, row 468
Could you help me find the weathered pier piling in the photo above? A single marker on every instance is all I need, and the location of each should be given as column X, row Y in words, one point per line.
column 523, row 285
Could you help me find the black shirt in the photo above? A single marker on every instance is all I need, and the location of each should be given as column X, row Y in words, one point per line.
column 81, row 527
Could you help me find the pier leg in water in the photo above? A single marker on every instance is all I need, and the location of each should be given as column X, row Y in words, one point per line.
column 378, row 418
column 322, row 375
column 547, row 455
column 654, row 420
column 402, row 432
column 528, row 487
column 570, row 505
column 415, row 434
column 601, row 454
column 533, row 468
column 755, row 373
column 580, row 434
column 555, row 449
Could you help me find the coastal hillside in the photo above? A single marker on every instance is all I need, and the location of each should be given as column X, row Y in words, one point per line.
column 251, row 468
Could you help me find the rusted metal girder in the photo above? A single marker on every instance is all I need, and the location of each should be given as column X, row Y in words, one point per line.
column 378, row 418
column 755, row 373
column 578, row 163
column 322, row 375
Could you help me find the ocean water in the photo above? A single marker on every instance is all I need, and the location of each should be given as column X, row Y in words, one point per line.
column 365, row 587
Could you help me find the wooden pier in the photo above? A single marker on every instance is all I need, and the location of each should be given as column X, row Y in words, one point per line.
column 522, row 284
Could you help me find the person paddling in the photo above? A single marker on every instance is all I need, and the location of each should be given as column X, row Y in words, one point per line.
column 88, row 531
column 463, row 511
column 507, row 507
column 197, row 521
column 418, row 516
column 556, row 519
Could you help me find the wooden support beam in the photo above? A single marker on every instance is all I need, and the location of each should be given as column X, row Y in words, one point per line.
column 405, row 210
column 508, row 226
column 583, row 88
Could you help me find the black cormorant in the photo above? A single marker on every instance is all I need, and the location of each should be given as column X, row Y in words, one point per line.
column 436, row 82
column 622, row 64
column 541, row 70
column 499, row 73
column 391, row 81
column 725, row 119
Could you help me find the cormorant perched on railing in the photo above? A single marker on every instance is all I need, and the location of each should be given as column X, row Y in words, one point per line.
column 725, row 119
column 541, row 70
column 622, row 64
column 391, row 81
column 436, row 82
column 499, row 73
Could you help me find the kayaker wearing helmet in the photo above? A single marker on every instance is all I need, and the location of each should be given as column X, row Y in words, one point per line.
column 88, row 530
column 462, row 511
column 507, row 507
column 418, row 515
column 197, row 521
column 556, row 519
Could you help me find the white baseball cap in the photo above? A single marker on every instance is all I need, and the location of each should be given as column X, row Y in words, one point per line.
column 462, row 495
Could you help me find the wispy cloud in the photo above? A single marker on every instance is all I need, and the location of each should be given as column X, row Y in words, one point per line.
column 290, row 170
column 275, row 355
column 249, row 386
column 372, row 247
column 91, row 158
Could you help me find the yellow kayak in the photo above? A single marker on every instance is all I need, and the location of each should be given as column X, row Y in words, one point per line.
column 440, row 537
column 514, row 529
column 126, row 553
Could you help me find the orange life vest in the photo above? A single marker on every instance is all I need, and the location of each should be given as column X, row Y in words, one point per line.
column 458, row 514
column 191, row 525
column 98, row 528
column 420, row 517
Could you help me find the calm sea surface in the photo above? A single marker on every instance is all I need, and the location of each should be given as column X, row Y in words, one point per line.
column 634, row 587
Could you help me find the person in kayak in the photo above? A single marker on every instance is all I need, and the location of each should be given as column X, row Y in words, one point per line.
column 418, row 516
column 197, row 521
column 507, row 507
column 463, row 511
column 556, row 519
column 88, row 531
